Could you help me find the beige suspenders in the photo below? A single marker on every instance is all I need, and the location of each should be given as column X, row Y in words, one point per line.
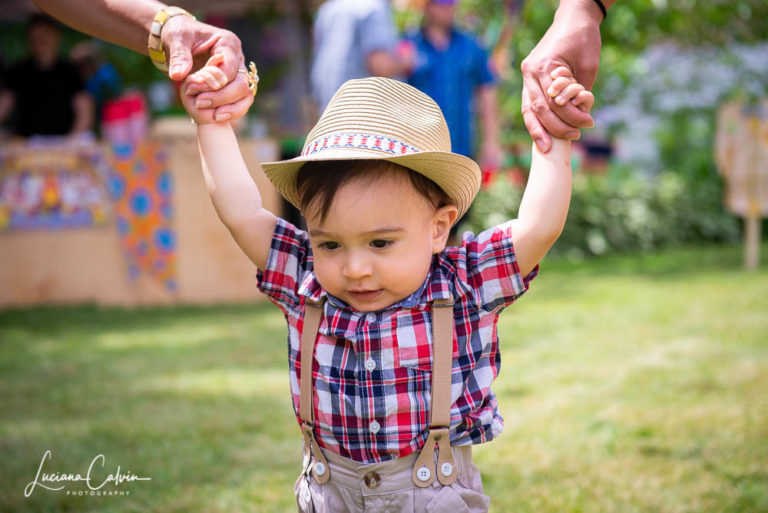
column 312, row 315
column 440, row 414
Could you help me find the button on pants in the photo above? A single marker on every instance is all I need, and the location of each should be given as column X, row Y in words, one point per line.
column 388, row 487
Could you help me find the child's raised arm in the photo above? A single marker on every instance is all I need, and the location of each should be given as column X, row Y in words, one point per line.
column 234, row 194
column 544, row 206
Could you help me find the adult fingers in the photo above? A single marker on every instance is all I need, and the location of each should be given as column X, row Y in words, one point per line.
column 571, row 115
column 535, row 128
column 180, row 60
column 178, row 39
column 228, row 48
column 542, row 108
column 234, row 110
column 234, row 91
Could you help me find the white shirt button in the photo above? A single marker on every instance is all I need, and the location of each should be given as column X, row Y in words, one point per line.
column 374, row 427
column 446, row 469
column 370, row 364
column 423, row 474
column 370, row 317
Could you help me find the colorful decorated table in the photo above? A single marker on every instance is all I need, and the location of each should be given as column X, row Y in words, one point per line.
column 82, row 221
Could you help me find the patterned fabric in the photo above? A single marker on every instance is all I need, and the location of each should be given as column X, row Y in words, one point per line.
column 451, row 76
column 372, row 370
column 53, row 183
column 364, row 141
column 141, row 188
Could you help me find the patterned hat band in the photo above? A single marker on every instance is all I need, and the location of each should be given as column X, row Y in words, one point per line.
column 379, row 118
column 366, row 141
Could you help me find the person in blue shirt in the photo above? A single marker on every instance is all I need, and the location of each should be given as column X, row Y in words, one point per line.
column 353, row 39
column 454, row 69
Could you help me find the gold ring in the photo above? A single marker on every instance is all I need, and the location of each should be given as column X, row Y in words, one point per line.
column 253, row 77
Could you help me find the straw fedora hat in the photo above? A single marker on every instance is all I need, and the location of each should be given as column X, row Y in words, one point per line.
column 383, row 119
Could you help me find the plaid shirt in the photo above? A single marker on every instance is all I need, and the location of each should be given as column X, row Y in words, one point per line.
column 372, row 370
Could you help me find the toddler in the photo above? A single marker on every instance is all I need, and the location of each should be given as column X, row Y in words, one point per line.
column 392, row 335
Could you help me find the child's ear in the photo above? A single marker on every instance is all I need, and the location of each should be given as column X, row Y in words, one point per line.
column 441, row 227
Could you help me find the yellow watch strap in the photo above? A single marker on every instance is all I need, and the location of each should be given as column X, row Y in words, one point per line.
column 154, row 43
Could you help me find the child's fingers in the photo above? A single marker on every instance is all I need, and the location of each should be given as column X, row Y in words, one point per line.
column 569, row 92
column 561, row 71
column 558, row 85
column 216, row 60
column 584, row 100
column 214, row 78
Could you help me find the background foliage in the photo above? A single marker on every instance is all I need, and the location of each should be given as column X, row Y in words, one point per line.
column 713, row 52
column 623, row 211
column 677, row 101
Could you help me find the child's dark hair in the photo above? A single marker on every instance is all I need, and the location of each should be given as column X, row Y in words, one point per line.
column 318, row 182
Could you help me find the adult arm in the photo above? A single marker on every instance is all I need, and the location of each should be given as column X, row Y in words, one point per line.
column 573, row 40
column 188, row 43
column 83, row 108
column 123, row 22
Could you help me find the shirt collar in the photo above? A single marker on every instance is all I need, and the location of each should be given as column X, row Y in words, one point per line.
column 422, row 34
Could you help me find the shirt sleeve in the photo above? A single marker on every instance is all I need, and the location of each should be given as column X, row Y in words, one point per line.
column 490, row 272
column 376, row 30
column 288, row 262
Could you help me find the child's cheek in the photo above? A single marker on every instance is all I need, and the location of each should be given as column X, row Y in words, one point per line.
column 327, row 274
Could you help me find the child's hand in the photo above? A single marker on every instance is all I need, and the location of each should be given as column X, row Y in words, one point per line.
column 212, row 76
column 565, row 89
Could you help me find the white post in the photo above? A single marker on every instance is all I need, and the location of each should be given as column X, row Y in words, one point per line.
column 752, row 241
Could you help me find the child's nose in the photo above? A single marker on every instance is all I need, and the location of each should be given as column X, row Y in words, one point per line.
column 356, row 267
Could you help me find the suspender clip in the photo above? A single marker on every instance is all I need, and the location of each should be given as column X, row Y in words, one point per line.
column 320, row 470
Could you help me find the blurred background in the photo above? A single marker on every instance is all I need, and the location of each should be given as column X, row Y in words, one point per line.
column 634, row 375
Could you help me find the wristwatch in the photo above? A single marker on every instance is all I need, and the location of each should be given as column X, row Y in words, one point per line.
column 155, row 44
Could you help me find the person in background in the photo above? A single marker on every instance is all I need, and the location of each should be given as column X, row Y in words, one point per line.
column 45, row 92
column 354, row 39
column 187, row 43
column 454, row 69
column 99, row 76
column 573, row 41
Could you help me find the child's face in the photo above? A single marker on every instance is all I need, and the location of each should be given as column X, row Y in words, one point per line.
column 376, row 244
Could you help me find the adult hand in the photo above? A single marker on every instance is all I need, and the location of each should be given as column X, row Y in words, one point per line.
column 191, row 44
column 573, row 40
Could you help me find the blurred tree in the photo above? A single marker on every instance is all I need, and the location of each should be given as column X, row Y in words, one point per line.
column 631, row 27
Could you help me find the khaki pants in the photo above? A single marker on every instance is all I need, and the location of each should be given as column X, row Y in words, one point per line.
column 388, row 487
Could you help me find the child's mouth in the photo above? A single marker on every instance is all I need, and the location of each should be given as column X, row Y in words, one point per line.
column 365, row 295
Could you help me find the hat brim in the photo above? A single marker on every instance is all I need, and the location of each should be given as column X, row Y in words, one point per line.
column 457, row 175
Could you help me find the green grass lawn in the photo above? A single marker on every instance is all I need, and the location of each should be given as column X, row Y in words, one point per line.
column 628, row 384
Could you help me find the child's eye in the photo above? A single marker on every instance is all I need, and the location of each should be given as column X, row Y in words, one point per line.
column 329, row 245
column 380, row 243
